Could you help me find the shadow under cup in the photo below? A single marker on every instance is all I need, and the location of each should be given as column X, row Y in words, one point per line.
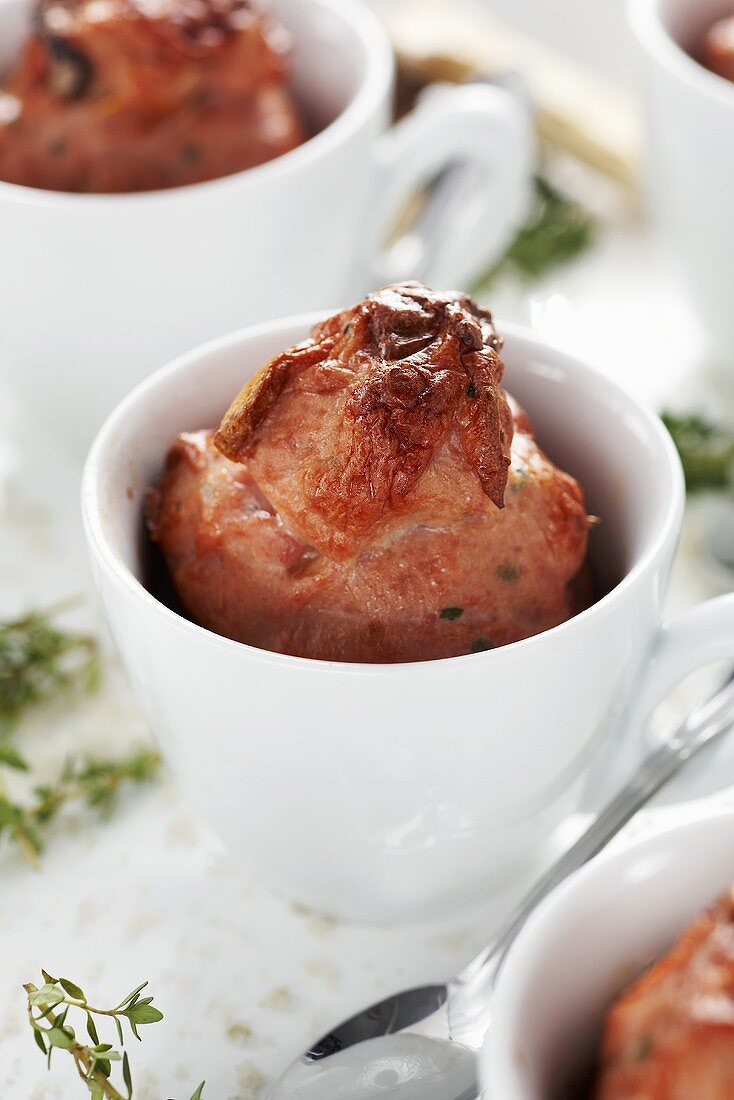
column 389, row 791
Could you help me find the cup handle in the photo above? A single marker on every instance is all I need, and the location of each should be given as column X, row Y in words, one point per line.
column 476, row 143
column 696, row 638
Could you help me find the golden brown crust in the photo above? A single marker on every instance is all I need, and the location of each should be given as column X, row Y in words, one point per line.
column 235, row 437
column 415, row 369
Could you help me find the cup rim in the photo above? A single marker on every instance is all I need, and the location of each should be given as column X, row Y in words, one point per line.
column 376, row 84
column 647, row 22
column 146, row 391
column 516, row 971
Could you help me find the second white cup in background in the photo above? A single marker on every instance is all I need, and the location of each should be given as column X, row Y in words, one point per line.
column 96, row 291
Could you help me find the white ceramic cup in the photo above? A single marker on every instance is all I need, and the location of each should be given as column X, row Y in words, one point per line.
column 96, row 291
column 388, row 791
column 690, row 142
column 594, row 935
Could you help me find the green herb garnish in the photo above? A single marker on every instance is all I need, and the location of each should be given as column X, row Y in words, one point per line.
column 11, row 758
column 481, row 645
column 706, row 451
column 38, row 661
column 557, row 230
column 643, row 1048
column 451, row 613
column 507, row 571
column 48, row 1011
column 93, row 782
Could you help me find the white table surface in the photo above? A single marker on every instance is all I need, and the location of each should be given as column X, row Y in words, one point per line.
column 246, row 978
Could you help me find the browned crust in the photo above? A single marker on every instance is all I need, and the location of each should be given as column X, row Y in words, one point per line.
column 190, row 27
column 676, row 1018
column 418, row 367
column 235, row 436
column 137, row 95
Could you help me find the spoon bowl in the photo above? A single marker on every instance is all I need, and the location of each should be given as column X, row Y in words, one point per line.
column 403, row 1066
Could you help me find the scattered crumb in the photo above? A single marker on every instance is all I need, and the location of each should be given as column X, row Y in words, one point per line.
column 250, row 1080
column 240, row 1034
column 324, row 969
column 95, row 971
column 319, row 923
column 12, row 1074
column 87, row 912
column 453, row 941
column 182, row 833
column 13, row 1022
column 147, row 1085
column 33, row 519
column 280, row 999
column 141, row 922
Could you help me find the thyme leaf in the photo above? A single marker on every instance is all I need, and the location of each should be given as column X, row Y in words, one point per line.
column 48, row 1008
column 706, row 451
column 93, row 782
column 39, row 661
column 557, row 230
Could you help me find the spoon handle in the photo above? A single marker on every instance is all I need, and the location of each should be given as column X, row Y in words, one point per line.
column 700, row 728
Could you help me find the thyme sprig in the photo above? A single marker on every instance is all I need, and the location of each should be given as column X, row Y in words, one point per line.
column 39, row 661
column 48, row 1010
column 706, row 451
column 557, row 230
column 93, row 782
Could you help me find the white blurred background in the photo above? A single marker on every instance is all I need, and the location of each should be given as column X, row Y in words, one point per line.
column 591, row 31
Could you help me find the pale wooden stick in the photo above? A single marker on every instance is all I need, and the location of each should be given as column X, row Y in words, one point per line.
column 456, row 39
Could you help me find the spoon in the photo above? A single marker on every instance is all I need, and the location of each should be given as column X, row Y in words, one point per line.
column 422, row 1043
